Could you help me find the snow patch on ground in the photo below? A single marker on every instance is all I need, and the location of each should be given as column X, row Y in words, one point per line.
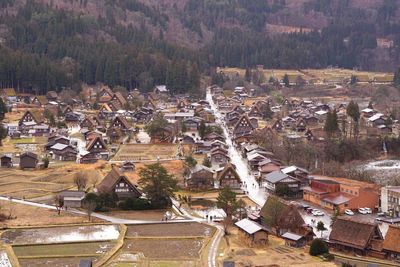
column 99, row 233
column 4, row 260
column 383, row 165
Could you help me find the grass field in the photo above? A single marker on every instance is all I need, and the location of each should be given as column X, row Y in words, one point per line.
column 318, row 75
column 138, row 152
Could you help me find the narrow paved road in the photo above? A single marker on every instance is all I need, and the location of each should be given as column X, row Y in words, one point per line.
column 250, row 185
column 94, row 214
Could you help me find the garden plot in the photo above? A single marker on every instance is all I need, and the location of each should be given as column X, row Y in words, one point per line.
column 137, row 152
column 87, row 249
column 170, row 230
column 61, row 234
column 165, row 248
column 15, row 187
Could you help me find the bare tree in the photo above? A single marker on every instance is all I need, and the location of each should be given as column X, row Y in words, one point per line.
column 59, row 203
column 81, row 180
column 89, row 206
column 226, row 224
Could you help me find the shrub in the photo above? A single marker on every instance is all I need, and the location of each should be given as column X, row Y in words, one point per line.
column 329, row 257
column 134, row 204
column 318, row 247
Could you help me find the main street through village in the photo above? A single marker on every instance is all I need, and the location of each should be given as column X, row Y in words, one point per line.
column 250, row 186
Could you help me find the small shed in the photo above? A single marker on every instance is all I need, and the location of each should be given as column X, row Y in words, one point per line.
column 86, row 263
column 28, row 160
column 72, row 198
column 128, row 166
column 294, row 240
column 254, row 231
column 6, row 161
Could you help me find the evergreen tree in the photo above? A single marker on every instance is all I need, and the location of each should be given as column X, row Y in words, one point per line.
column 247, row 75
column 3, row 133
column 396, row 79
column 268, row 113
column 3, row 109
column 158, row 185
column 353, row 79
column 286, row 81
column 202, row 129
column 331, row 123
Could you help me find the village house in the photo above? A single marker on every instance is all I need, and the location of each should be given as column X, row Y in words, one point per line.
column 116, row 182
column 355, row 236
column 282, row 184
column 98, row 148
column 31, row 117
column 219, row 156
column 390, row 200
column 6, row 161
column 347, row 194
column 9, row 94
column 119, row 99
column 51, row 96
column 280, row 217
column 200, row 178
column 40, row 101
column 267, row 166
column 161, row 90
column 243, row 127
column 227, row 176
column 105, row 94
column 300, row 174
column 254, row 232
column 63, row 152
column 391, row 244
column 128, row 166
column 28, row 160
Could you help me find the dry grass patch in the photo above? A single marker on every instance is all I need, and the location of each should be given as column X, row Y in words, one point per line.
column 54, row 262
column 137, row 152
column 26, row 215
column 95, row 248
column 172, row 249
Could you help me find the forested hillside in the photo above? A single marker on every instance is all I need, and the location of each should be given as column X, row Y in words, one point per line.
column 50, row 44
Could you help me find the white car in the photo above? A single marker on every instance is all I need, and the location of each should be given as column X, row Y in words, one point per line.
column 316, row 212
column 349, row 212
column 368, row 210
column 362, row 211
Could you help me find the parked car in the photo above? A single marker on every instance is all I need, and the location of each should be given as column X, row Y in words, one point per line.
column 309, row 210
column 368, row 210
column 362, row 211
column 349, row 212
column 381, row 214
column 316, row 212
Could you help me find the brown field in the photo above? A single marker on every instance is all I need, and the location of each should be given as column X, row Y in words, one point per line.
column 138, row 152
column 53, row 262
column 28, row 216
column 172, row 230
column 151, row 215
column 35, row 183
column 157, row 248
column 92, row 248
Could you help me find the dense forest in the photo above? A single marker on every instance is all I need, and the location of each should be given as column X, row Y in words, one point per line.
column 43, row 46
